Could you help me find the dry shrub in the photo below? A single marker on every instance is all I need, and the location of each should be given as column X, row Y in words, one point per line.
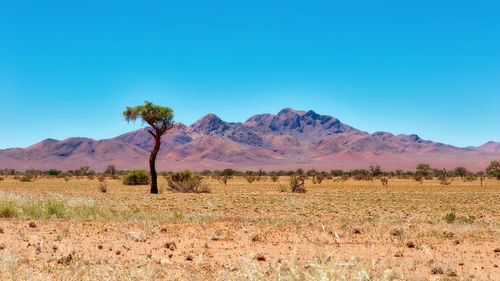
column 103, row 187
column 250, row 179
column 186, row 181
column 136, row 177
column 297, row 183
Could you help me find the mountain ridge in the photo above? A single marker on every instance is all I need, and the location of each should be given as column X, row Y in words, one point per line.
column 286, row 140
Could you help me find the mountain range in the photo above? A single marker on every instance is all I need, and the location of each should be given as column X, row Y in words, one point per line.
column 287, row 140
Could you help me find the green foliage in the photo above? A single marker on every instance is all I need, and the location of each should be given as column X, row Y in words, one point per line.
column 450, row 217
column 26, row 178
column 319, row 178
column 186, row 181
column 136, row 177
column 111, row 170
column 154, row 115
column 470, row 177
column 460, row 171
column 53, row 172
column 336, row 173
column 494, row 169
column 384, row 181
column 423, row 169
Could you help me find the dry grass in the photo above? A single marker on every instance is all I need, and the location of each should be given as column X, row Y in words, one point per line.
column 336, row 231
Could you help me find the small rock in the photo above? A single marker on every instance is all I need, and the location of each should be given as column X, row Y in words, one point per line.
column 65, row 259
column 118, row 252
column 497, row 250
column 189, row 257
column 32, row 224
column 410, row 244
column 260, row 257
column 2, row 246
column 171, row 245
column 1, row 230
column 357, row 231
column 437, row 268
column 99, row 247
column 163, row 230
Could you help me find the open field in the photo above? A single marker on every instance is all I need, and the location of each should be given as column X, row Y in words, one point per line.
column 353, row 230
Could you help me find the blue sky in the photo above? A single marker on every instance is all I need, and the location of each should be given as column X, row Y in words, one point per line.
column 69, row 68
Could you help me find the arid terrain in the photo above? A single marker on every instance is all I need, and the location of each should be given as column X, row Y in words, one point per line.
column 353, row 230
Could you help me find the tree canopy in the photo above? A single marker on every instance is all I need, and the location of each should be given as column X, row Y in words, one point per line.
column 160, row 118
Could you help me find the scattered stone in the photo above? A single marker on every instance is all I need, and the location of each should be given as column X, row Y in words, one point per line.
column 397, row 232
column 118, row 252
column 437, row 268
column 189, row 257
column 399, row 254
column 32, row 224
column 65, row 259
column 260, row 257
column 457, row 241
column 1, row 230
column 497, row 250
column 171, row 245
column 410, row 244
column 99, row 247
column 357, row 231
column 55, row 247
column 2, row 246
column 163, row 230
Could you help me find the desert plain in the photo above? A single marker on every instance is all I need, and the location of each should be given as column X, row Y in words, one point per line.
column 53, row 229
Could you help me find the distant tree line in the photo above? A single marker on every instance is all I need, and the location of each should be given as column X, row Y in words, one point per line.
column 422, row 172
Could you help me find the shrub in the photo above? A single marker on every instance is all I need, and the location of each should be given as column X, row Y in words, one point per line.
column 250, row 179
column 443, row 180
column 297, row 183
column 186, row 182
column 275, row 178
column 1, row 178
column 319, row 178
column 450, row 217
column 384, row 181
column 101, row 178
column 136, row 177
column 103, row 187
column 26, row 178
column 470, row 177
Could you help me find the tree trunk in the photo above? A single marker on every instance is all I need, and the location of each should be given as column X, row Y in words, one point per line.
column 152, row 159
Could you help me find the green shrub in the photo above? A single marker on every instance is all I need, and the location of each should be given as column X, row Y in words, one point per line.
column 26, row 178
column 136, row 177
column 186, row 181
column 450, row 217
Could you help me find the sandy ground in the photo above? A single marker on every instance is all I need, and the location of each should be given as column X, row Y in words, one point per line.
column 352, row 230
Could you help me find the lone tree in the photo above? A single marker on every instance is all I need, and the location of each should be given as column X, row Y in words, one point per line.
column 161, row 120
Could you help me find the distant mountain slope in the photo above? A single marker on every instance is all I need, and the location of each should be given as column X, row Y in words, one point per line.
column 287, row 140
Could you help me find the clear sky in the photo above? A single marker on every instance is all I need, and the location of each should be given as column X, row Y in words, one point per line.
column 69, row 68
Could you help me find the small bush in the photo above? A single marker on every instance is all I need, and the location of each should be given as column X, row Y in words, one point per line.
column 384, row 181
column 319, row 178
column 450, row 217
column 136, row 177
column 1, row 178
column 275, row 178
column 103, row 187
column 26, row 178
column 250, row 179
column 297, row 183
column 186, row 182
